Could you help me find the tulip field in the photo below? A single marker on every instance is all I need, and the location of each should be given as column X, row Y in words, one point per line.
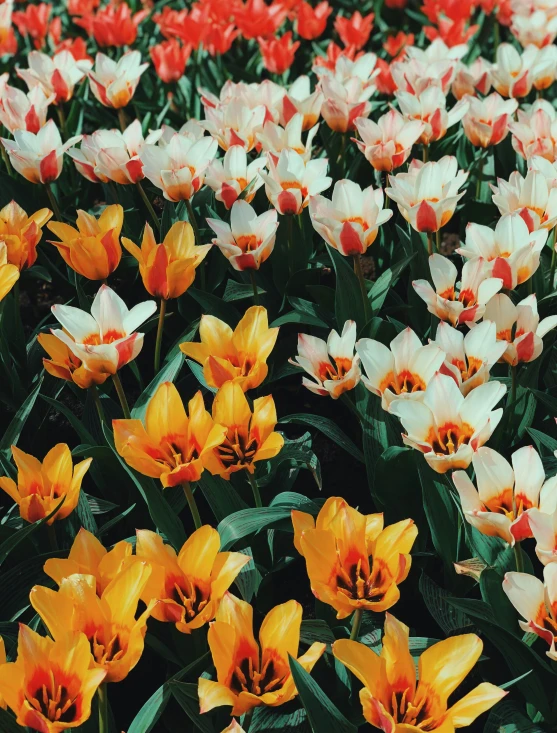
column 278, row 366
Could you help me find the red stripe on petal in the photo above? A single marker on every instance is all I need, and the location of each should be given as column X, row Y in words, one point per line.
column 287, row 203
column 468, row 314
column 350, row 242
column 32, row 122
column 228, row 194
column 112, row 251
column 125, row 350
column 288, row 109
column 502, row 269
column 426, row 221
column 525, row 347
column 135, row 170
column 60, row 87
column 48, row 168
column 157, row 279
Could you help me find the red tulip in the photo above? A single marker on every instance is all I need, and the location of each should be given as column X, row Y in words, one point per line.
column 354, row 31
column 312, row 21
column 169, row 59
column 256, row 19
column 33, row 22
column 278, row 53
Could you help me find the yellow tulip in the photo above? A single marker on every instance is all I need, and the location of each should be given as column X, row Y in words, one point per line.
column 251, row 674
column 351, row 560
column 93, row 249
column 168, row 269
column 51, row 685
column 189, row 586
column 393, row 699
column 9, row 274
column 63, row 364
column 249, row 436
column 109, row 623
column 21, row 233
column 170, row 446
column 41, row 486
column 88, row 557
column 240, row 355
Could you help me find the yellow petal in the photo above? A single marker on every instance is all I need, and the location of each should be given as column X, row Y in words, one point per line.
column 328, row 512
column 213, row 695
column 231, row 408
column 112, row 218
column 279, row 635
column 361, row 661
column 123, row 593
column 166, row 415
column 270, row 448
column 301, row 521
column 444, row 665
column 217, row 336
column 226, row 567
column 199, row 552
column 224, row 640
column 29, row 471
column 9, row 486
column 398, row 660
column 473, row 704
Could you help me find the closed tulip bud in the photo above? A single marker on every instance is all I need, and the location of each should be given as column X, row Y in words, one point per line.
column 55, row 76
column 21, row 233
column 311, row 22
column 278, row 53
column 169, row 59
column 114, row 83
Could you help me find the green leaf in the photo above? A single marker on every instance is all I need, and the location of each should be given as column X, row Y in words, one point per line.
column 493, row 594
column 220, row 495
column 197, row 371
column 441, row 513
column 15, row 539
column 114, row 521
column 328, row 428
column 438, row 602
column 323, row 715
column 239, row 291
column 215, row 306
column 508, row 717
column 297, row 453
column 385, row 281
column 186, row 695
column 168, row 373
column 75, row 422
column 8, row 723
column 13, row 431
column 348, row 298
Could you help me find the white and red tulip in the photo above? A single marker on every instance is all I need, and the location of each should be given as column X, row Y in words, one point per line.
column 387, row 143
column 55, row 76
column 114, row 82
column 231, row 176
column 290, row 181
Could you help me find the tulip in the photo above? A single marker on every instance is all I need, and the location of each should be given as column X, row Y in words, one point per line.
column 234, row 123
column 501, row 505
column 354, row 31
column 20, row 111
column 114, row 25
column 446, row 426
column 109, row 623
column 350, row 221
column 299, row 99
column 511, row 251
column 404, row 370
column 250, row 435
column 178, row 169
column 251, row 674
column 278, row 53
column 114, row 83
column 469, row 358
column 93, row 249
column 21, row 233
column 487, row 120
column 387, row 143
column 344, row 102
column 9, row 274
column 467, row 305
column 233, row 176
column 331, row 363
column 352, row 561
column 249, row 239
column 188, row 586
column 472, row 79
column 311, row 22
column 169, row 59
column 290, row 181
column 428, row 194
column 76, row 46
column 39, row 157
column 393, row 698
column 542, row 165
column 220, row 37
column 543, row 524
column 531, row 197
column 535, row 601
column 512, row 75
column 395, row 46
column 429, row 107
column 6, row 10
column 544, row 67
column 33, row 22
column 54, row 76
column 535, row 132
column 42, row 486
column 51, row 685
column 88, row 557
column 274, row 138
column 168, row 269
column 104, row 340
column 171, row 446
column 433, row 66
column 63, row 364
column 536, row 29
column 255, row 18
column 520, row 326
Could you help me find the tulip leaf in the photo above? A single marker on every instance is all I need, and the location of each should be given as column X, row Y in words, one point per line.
column 328, row 428
column 322, row 713
column 438, row 602
column 249, row 577
column 385, row 281
column 19, row 580
column 215, row 306
column 8, row 723
column 348, row 298
column 112, row 522
column 74, row 421
column 239, row 291
column 186, row 695
column 197, row 371
column 13, row 431
column 297, row 453
column 168, row 373
column 441, row 513
column 220, row 495
column 508, row 717
column 15, row 539
column 287, row 718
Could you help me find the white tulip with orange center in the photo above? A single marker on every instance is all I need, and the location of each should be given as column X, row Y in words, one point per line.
column 231, row 176
column 511, row 251
column 432, row 66
column 403, row 370
column 273, row 138
column 543, row 523
column 54, row 76
column 512, row 73
column 544, row 69
column 350, row 221
column 472, row 79
column 249, row 239
column 299, row 99
column 105, row 339
column 114, row 82
column 446, row 426
column 332, row 363
column 430, row 108
column 535, row 132
column 290, row 181
column 487, row 120
column 428, row 194
column 387, row 143
column 234, row 123
column 506, row 496
column 536, row 29
column 532, row 197
column 519, row 326
column 465, row 304
column 20, row 111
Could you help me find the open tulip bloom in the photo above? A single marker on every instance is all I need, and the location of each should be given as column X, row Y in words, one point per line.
column 535, row 131
column 290, row 181
column 233, row 176
column 21, row 233
column 54, row 76
column 387, row 143
column 532, row 197
column 114, row 82
column 487, row 120
column 20, row 111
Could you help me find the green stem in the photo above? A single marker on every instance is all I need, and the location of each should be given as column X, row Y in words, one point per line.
column 363, row 290
column 513, row 385
column 122, row 119
column 480, row 176
column 61, row 120
column 254, row 286
column 193, row 222
column 425, row 155
column 429, row 243
column 6, row 159
column 51, row 529
column 96, row 399
column 518, row 559
column 438, row 240
column 255, row 490
column 149, row 207
column 290, row 242
column 342, row 154
column 553, row 260
column 356, row 622
column 160, row 328
column 121, row 396
column 53, row 202
column 102, row 699
column 192, row 504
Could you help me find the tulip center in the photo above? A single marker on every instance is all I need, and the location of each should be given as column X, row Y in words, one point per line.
column 449, row 438
column 410, row 712
column 467, row 370
column 405, row 382
column 358, row 584
column 246, row 678
column 337, row 370
column 247, row 242
column 53, row 701
column 95, row 339
column 238, row 448
column 286, row 185
column 106, row 652
column 191, row 598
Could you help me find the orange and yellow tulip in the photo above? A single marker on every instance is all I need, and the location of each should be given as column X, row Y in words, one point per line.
column 93, row 249
column 189, row 586
column 115, row 636
column 171, row 446
column 63, row 364
column 249, row 438
column 168, row 269
column 89, row 557
column 393, row 700
column 22, row 233
column 251, row 674
column 51, row 684
column 41, row 486
column 9, row 274
column 351, row 560
column 240, row 355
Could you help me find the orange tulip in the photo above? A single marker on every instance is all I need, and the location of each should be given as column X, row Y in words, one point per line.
column 22, row 233
column 9, row 274
column 63, row 364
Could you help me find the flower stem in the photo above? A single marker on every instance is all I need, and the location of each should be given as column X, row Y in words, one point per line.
column 149, row 207
column 51, row 529
column 513, row 385
column 290, row 242
column 97, row 401
column 192, row 504
column 122, row 119
column 6, row 159
column 429, row 243
column 61, row 120
column 254, row 286
column 553, row 261
column 255, row 490
column 356, row 621
column 518, row 559
column 480, row 176
column 102, row 699
column 193, row 221
column 160, row 328
column 121, row 396
column 363, row 290
column 425, row 156
column 438, row 240
column 53, row 202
